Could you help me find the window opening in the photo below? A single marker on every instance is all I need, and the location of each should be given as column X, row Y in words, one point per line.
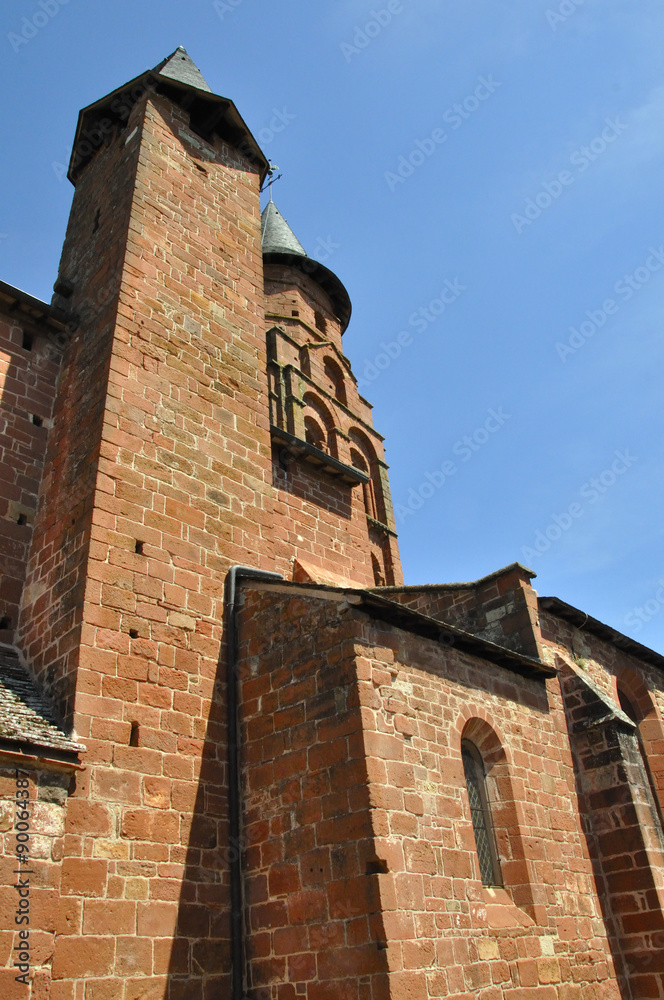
column 480, row 813
column 379, row 579
column 313, row 434
column 336, row 378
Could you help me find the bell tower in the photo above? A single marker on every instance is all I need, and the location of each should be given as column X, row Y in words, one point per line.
column 326, row 452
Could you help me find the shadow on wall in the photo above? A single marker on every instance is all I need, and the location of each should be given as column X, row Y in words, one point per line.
column 310, row 876
column 294, row 476
column 27, row 387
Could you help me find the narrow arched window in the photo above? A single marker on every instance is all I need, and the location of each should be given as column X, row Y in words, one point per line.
column 335, row 378
column 480, row 812
column 367, row 488
column 379, row 577
column 314, row 434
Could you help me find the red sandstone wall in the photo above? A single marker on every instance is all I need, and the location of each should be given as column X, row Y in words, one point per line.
column 27, row 389
column 623, row 823
column 293, row 300
column 313, row 910
column 158, row 478
column 321, row 519
column 501, row 607
column 608, row 666
column 345, row 541
column 445, row 935
column 52, row 612
column 45, row 886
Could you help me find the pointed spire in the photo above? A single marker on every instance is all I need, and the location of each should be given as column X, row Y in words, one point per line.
column 278, row 237
column 179, row 66
column 281, row 246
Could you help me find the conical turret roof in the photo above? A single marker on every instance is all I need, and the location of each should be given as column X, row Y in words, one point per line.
column 281, row 246
column 278, row 237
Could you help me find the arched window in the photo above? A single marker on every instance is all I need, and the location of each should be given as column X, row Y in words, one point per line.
column 373, row 493
column 360, row 463
column 480, row 812
column 314, row 434
column 335, row 378
column 318, row 423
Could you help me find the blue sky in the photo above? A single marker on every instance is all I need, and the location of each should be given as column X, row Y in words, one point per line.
column 485, row 177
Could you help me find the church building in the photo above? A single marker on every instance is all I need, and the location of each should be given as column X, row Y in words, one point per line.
column 239, row 758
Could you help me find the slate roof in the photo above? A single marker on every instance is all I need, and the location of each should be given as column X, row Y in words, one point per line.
column 25, row 717
column 181, row 81
column 278, row 237
column 180, row 66
column 281, row 246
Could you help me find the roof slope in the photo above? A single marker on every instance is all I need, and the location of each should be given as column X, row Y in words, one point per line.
column 179, row 66
column 25, row 717
column 606, row 632
column 278, row 237
column 178, row 78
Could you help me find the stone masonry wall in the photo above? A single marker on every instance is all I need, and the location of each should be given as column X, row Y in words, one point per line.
column 540, row 937
column 158, row 478
column 167, row 462
column 501, row 607
column 34, row 896
column 609, row 666
column 622, row 829
column 29, row 364
column 314, row 926
column 300, row 360
column 619, row 775
column 51, row 615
